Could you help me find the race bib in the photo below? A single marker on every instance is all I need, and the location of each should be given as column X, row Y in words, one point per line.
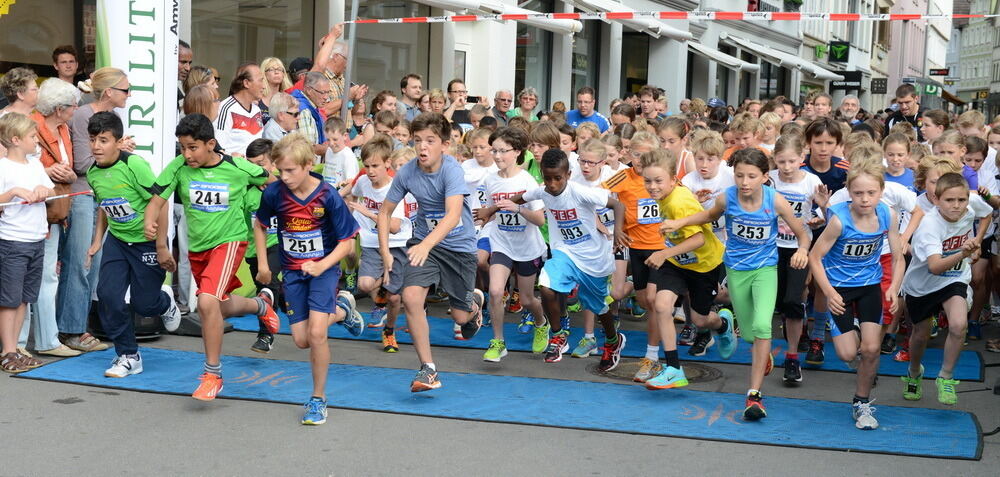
column 303, row 245
column 858, row 250
column 571, row 232
column 511, row 221
column 272, row 228
column 482, row 195
column 688, row 258
column 607, row 217
column 435, row 218
column 648, row 211
column 208, row 196
column 118, row 210
column 751, row 232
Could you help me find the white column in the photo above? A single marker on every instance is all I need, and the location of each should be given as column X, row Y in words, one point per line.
column 562, row 64
column 184, row 21
column 328, row 13
column 442, row 54
column 668, row 68
column 702, row 78
column 610, row 76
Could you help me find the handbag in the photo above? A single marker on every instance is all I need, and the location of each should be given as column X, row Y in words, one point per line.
column 56, row 210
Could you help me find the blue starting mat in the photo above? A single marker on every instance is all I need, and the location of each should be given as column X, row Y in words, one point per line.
column 970, row 365
column 609, row 407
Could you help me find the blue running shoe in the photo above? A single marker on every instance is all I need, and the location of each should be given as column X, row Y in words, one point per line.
column 378, row 317
column 487, row 320
column 669, row 377
column 315, row 412
column 727, row 341
column 354, row 322
column 564, row 322
column 527, row 324
column 637, row 311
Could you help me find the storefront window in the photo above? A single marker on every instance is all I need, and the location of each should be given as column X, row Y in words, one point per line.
column 746, row 79
column 386, row 53
column 29, row 31
column 586, row 52
column 772, row 80
column 722, row 75
column 635, row 62
column 533, row 57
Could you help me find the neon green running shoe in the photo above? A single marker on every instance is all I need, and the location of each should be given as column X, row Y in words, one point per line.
column 914, row 389
column 946, row 390
column 497, row 350
column 574, row 308
column 541, row 339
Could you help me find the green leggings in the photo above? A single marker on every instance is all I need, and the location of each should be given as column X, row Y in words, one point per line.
column 753, row 293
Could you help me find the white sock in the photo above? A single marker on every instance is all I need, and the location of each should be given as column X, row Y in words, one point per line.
column 431, row 365
column 652, row 352
column 589, row 336
column 752, row 391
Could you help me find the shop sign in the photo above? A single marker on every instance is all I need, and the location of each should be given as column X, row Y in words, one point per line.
column 880, row 85
column 852, row 80
column 840, row 51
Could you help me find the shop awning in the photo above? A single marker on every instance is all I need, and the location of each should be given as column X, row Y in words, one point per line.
column 951, row 98
column 721, row 58
column 787, row 60
column 654, row 28
column 562, row 27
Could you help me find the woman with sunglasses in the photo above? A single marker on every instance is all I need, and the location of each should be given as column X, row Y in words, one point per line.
column 284, row 116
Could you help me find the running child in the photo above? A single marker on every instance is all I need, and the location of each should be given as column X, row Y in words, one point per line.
column 579, row 255
column 951, row 144
column 316, row 229
column 442, row 250
column 673, row 135
column 476, row 171
column 691, row 264
column 751, row 257
column 938, row 280
column 896, row 149
column 516, row 242
column 122, row 184
column 340, row 165
column 259, row 152
column 845, row 265
column 213, row 189
column 370, row 191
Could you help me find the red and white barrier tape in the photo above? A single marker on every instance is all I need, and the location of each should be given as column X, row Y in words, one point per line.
column 681, row 15
column 63, row 196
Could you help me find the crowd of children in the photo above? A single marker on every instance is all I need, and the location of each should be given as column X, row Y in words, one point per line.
column 717, row 226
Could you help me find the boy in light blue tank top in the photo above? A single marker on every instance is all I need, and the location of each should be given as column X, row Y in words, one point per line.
column 845, row 265
column 751, row 258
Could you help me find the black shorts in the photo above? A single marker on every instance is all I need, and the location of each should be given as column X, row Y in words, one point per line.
column 864, row 302
column 640, row 271
column 700, row 287
column 621, row 254
column 987, row 247
column 521, row 269
column 791, row 282
column 921, row 308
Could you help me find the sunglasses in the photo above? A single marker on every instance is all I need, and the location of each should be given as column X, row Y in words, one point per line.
column 294, row 114
column 123, row 90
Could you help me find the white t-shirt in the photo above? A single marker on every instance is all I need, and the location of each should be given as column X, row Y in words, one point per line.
column 895, row 195
column 236, row 128
column 717, row 185
column 937, row 236
column 510, row 232
column 23, row 223
column 573, row 226
column 987, row 175
column 605, row 215
column 372, row 199
column 475, row 179
column 769, row 147
column 339, row 167
column 800, row 196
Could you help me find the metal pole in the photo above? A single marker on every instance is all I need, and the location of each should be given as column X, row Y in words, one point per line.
column 351, row 36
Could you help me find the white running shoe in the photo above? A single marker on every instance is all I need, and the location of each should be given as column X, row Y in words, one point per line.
column 172, row 317
column 124, row 365
column 864, row 416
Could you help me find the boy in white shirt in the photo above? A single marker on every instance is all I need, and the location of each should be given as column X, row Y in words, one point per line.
column 340, row 168
column 938, row 279
column 476, row 171
column 22, row 233
column 579, row 254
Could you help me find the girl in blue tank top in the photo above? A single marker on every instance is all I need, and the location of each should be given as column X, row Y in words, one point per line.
column 845, row 266
column 751, row 258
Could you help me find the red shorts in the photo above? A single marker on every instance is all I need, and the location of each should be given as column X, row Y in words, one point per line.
column 886, row 262
column 214, row 270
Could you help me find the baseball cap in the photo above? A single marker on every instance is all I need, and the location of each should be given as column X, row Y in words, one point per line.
column 299, row 64
column 716, row 103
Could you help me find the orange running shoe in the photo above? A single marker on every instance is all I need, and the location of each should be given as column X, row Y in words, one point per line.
column 269, row 319
column 381, row 298
column 389, row 344
column 514, row 305
column 210, row 387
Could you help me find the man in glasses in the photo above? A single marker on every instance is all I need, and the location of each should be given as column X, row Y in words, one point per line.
column 313, row 97
column 503, row 100
column 284, row 116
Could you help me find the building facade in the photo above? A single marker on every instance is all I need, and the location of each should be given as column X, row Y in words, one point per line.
column 976, row 58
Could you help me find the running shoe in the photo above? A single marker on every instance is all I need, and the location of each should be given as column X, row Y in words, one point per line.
column 701, row 343
column 612, row 354
column 637, row 310
column 754, row 410
column 269, row 319
column 770, row 365
column 888, row 344
column 353, row 321
column 315, row 412
column 574, row 308
column 557, row 346
column 679, row 315
column 458, row 332
column 425, row 380
column 172, row 317
column 496, row 351
column 934, row 327
column 686, row 338
column 351, row 281
column 264, row 343
column 439, row 296
column 541, row 339
column 903, row 356
column 648, row 368
column 586, row 347
column 381, row 298
column 975, row 330
column 514, row 305
column 564, row 322
column 527, row 323
column 864, row 416
column 855, row 363
column 125, row 365
column 913, row 389
column 668, row 377
column 727, row 340
column 379, row 314
column 946, row 390
column 803, row 340
column 210, row 387
column 471, row 327
column 793, row 371
column 815, row 355
column 389, row 344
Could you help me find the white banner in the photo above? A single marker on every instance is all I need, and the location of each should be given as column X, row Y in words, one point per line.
column 140, row 38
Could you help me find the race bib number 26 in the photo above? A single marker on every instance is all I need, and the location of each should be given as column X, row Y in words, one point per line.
column 648, row 212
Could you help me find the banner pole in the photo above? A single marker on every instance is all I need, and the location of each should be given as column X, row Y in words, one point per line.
column 351, row 36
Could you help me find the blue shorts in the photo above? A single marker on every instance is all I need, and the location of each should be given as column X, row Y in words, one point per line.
column 561, row 275
column 484, row 245
column 305, row 293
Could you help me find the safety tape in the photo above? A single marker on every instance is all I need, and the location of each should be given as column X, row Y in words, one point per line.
column 680, row 15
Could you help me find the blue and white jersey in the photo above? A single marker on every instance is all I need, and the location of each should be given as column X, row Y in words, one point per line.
column 751, row 236
column 853, row 261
